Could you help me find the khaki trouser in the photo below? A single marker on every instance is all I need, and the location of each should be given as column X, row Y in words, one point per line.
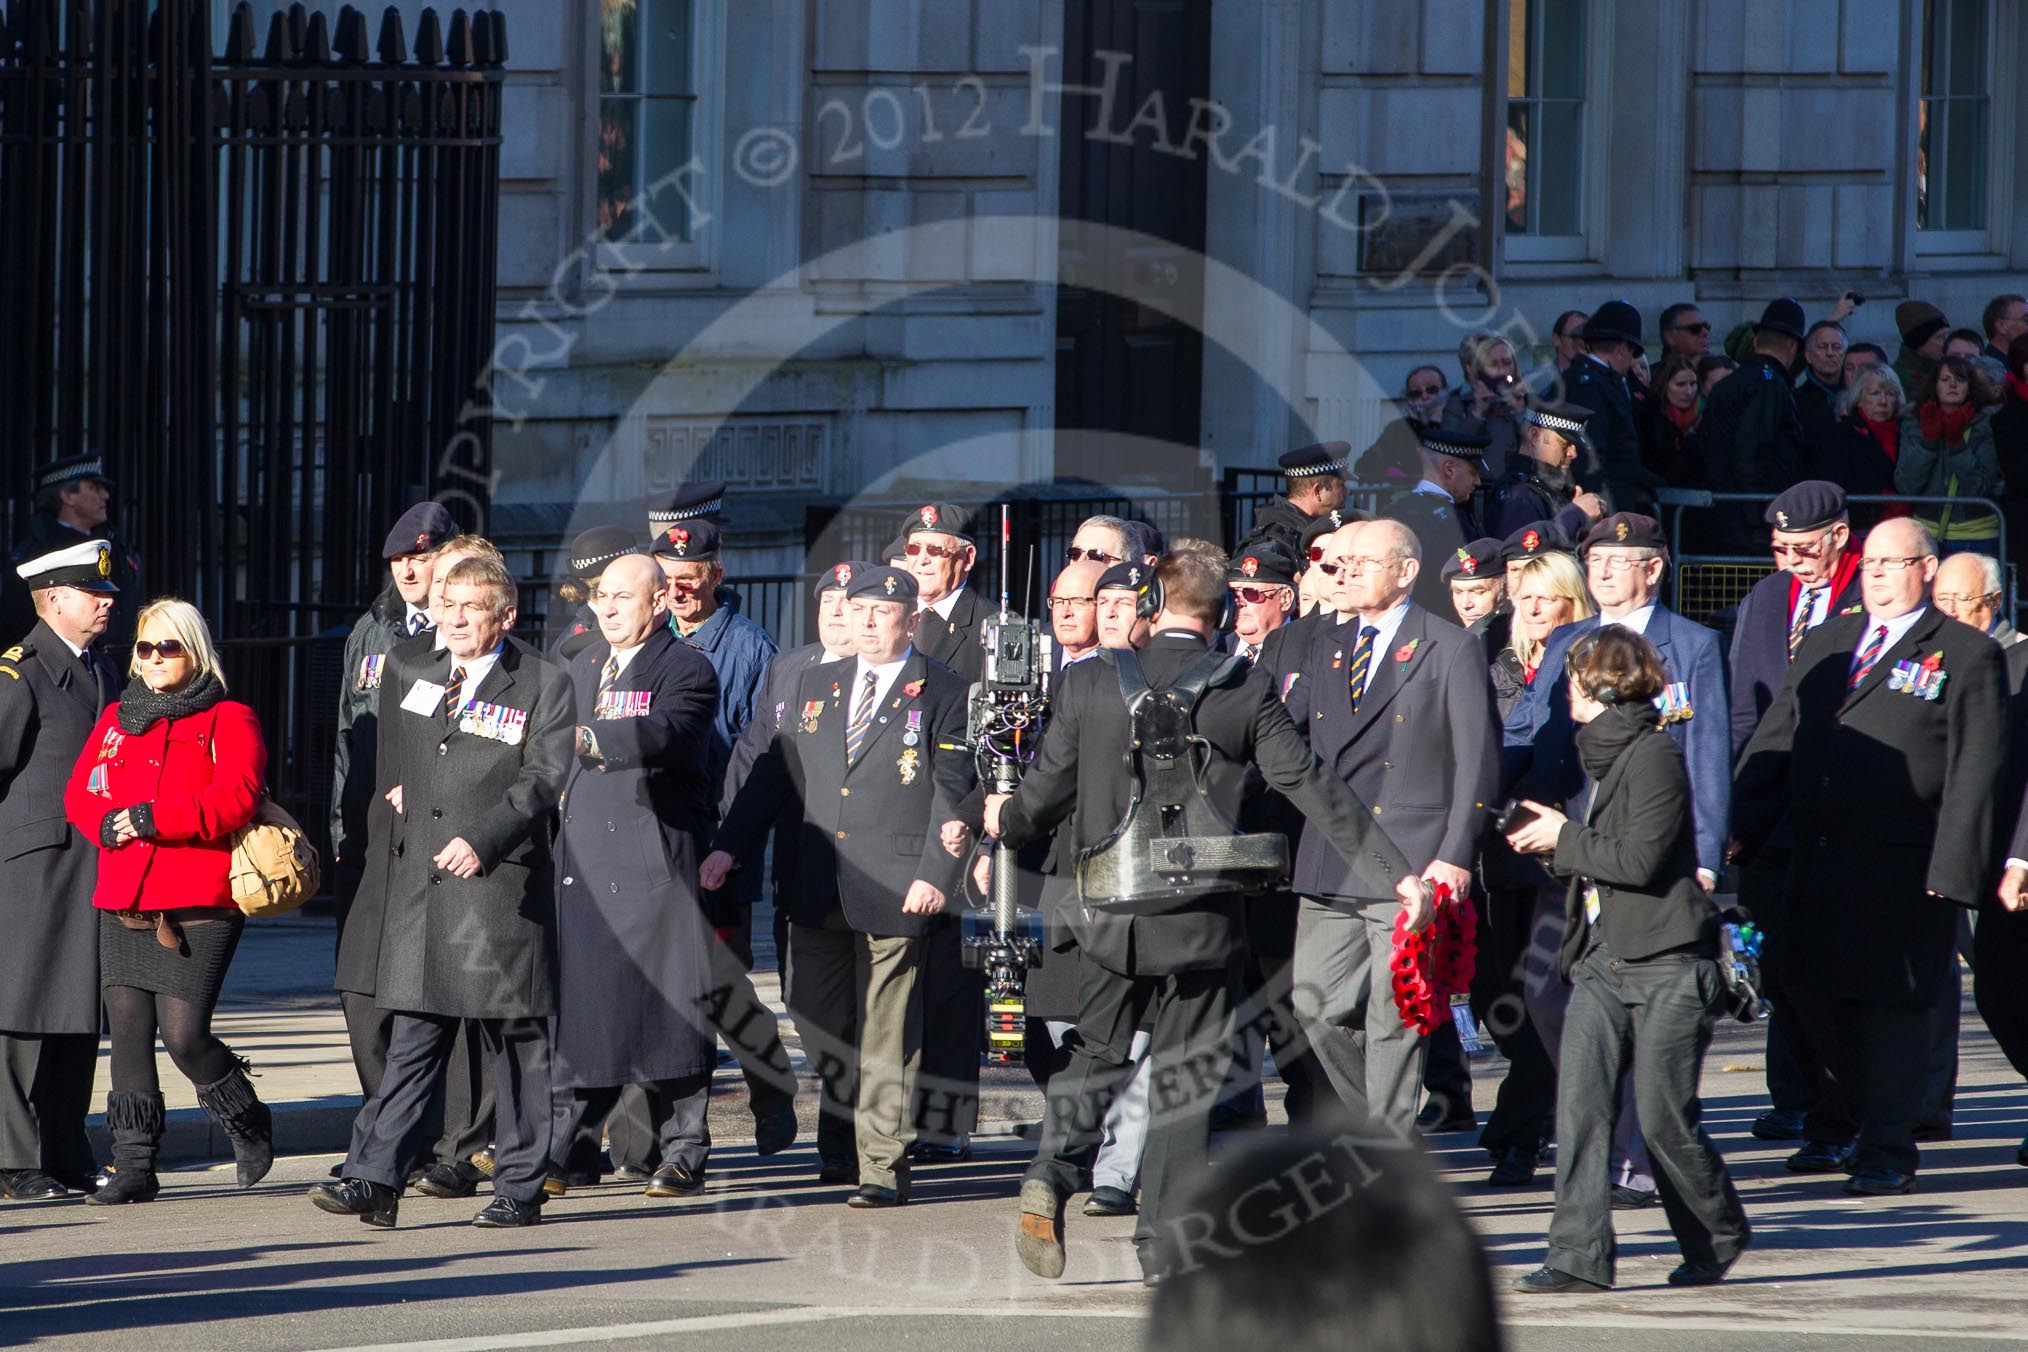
column 890, row 1049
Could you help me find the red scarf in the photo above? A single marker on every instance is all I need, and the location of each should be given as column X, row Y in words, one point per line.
column 2019, row 386
column 1945, row 426
column 1888, row 434
column 1685, row 419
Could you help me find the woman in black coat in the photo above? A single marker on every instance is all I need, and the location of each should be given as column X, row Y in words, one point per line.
column 1639, row 949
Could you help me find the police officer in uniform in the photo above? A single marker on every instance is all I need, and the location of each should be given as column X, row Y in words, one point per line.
column 875, row 756
column 72, row 498
column 1753, row 437
column 578, row 628
column 1541, row 484
column 53, row 688
column 1315, row 479
column 1597, row 379
column 1174, row 964
column 700, row 501
column 1434, row 509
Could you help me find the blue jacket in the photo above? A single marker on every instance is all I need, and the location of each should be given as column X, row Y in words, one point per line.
column 1540, row 739
column 739, row 651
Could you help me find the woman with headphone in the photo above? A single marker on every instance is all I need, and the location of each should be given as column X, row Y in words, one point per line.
column 1639, row 949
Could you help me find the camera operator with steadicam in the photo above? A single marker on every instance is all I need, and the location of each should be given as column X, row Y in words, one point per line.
column 1158, row 929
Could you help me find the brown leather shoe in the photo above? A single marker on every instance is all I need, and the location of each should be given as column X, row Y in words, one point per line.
column 1039, row 1237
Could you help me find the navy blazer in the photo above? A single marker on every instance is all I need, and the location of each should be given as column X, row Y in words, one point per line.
column 1541, row 739
column 1760, row 646
column 1422, row 750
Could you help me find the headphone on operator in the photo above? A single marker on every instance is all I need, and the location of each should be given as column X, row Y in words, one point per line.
column 1150, row 600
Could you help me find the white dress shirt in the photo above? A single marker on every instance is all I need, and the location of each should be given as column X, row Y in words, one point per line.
column 943, row 607
column 1636, row 620
column 1820, row 604
column 1896, row 627
column 476, row 671
column 1387, row 625
column 883, row 680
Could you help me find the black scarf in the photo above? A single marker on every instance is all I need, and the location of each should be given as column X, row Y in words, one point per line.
column 141, row 708
column 1601, row 742
column 1558, row 479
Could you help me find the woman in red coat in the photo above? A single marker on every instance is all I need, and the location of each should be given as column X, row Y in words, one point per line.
column 167, row 776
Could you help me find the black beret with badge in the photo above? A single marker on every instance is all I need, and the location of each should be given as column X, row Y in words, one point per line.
column 690, row 502
column 897, row 548
column 1263, row 561
column 693, row 541
column 72, row 469
column 420, row 529
column 940, row 518
column 1625, row 528
column 1132, row 575
column 87, row 567
column 1474, row 561
column 1534, row 540
column 1326, row 522
column 882, row 584
column 1810, row 505
column 592, row 550
column 839, row 575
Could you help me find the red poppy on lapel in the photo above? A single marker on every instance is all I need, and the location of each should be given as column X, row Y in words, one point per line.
column 912, row 689
column 1406, row 650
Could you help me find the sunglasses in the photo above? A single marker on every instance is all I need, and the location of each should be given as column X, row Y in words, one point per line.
column 1703, row 326
column 168, row 647
column 1424, row 391
column 1316, row 553
column 1095, row 555
column 1254, row 596
column 934, row 551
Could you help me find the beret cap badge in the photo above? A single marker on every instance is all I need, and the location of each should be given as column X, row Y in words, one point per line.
column 929, row 515
column 1249, row 565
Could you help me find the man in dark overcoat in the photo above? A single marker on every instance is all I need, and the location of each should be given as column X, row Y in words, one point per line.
column 634, row 949
column 1174, row 965
column 1904, row 708
column 875, row 755
column 477, row 763
column 53, row 687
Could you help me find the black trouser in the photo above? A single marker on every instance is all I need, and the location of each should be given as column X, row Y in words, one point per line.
column 1873, row 1078
column 1265, row 982
column 953, row 1038
column 1792, row 1063
column 679, row 1109
column 1524, row 1113
column 820, row 985
column 1999, row 957
column 459, row 1118
column 1940, row 1089
column 1189, row 1056
column 387, row 1135
column 45, row 1094
column 1656, row 1015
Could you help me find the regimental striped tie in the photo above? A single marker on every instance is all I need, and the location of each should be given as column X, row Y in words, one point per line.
column 454, row 694
column 862, row 718
column 609, row 676
column 1868, row 657
column 1362, row 662
column 1801, row 625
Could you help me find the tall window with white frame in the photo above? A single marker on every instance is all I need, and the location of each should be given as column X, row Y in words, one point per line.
column 647, row 104
column 1544, row 178
column 1954, row 118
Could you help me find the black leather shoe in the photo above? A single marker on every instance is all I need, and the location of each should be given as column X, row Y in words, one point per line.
column 1879, row 1183
column 1436, row 1120
column 1932, row 1131
column 1818, row 1157
column 2021, row 1155
column 873, row 1195
column 1547, row 1281
column 29, row 1185
column 373, row 1203
column 776, row 1132
column 1699, row 1274
column 631, row 1173
column 1779, row 1124
column 673, row 1180
column 118, row 1186
column 838, row 1171
column 482, row 1159
column 448, row 1180
column 504, row 1213
column 84, row 1183
column 1633, row 1199
column 1516, row 1168
column 558, row 1183
column 941, row 1152
column 1038, row 1239
column 1110, row 1202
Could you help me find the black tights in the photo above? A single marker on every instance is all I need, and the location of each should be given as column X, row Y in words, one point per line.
column 134, row 1015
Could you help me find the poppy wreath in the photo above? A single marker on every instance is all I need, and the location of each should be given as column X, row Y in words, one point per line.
column 1432, row 966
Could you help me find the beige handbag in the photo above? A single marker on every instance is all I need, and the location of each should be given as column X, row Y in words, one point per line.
column 274, row 866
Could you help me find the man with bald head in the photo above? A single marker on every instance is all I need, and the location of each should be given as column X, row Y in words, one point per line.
column 1397, row 701
column 1883, row 750
column 1073, row 611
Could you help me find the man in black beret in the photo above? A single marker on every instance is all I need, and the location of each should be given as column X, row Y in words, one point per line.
column 73, row 497
column 1598, row 379
column 1314, row 483
column 1478, row 585
column 1753, row 437
column 1435, row 509
column 1262, row 579
column 1816, row 578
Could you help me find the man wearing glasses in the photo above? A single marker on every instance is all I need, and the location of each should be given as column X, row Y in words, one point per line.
column 1262, row 580
column 1685, row 331
column 1901, row 705
column 1816, row 578
column 1315, row 484
column 1104, row 540
column 1625, row 558
column 941, row 554
column 1424, row 390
